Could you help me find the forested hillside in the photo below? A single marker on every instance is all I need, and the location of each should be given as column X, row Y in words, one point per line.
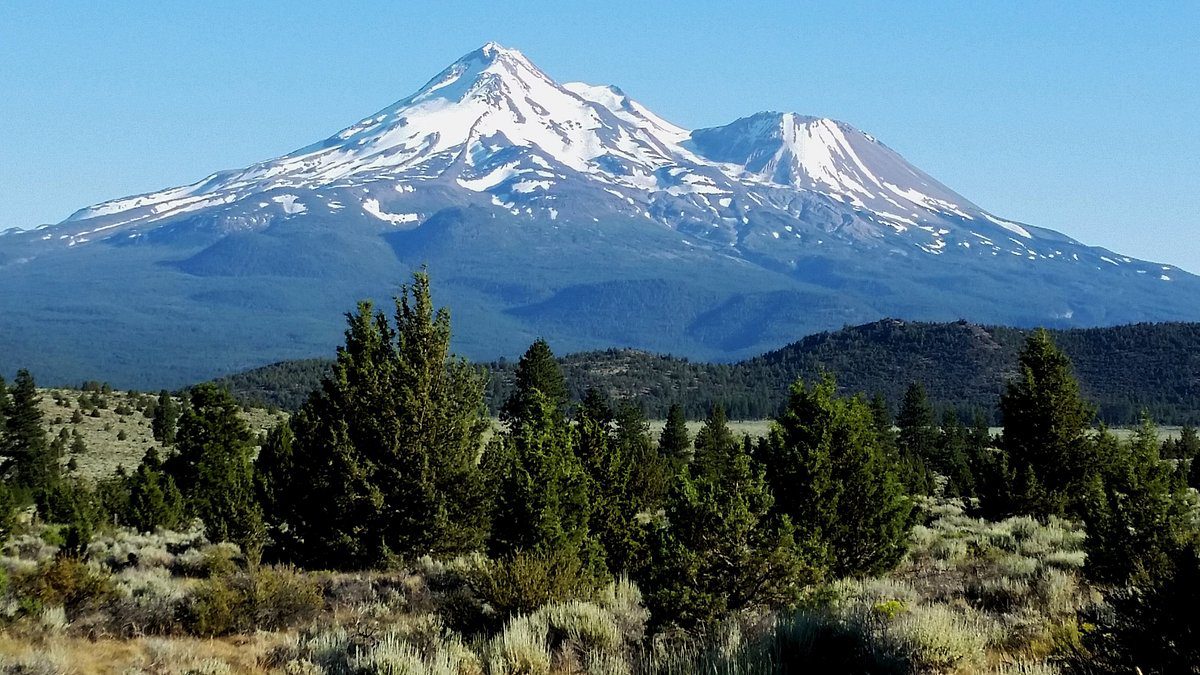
column 1123, row 369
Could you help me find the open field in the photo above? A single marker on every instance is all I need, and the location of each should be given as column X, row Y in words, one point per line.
column 112, row 439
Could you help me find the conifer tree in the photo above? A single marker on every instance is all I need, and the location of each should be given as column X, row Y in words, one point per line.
column 274, row 482
column 165, row 419
column 35, row 464
column 212, row 468
column 674, row 443
column 1137, row 513
column 830, row 476
column 386, row 452
column 5, row 402
column 1046, row 423
column 916, row 440
column 540, row 500
column 721, row 550
column 951, row 457
column 154, row 500
column 539, row 371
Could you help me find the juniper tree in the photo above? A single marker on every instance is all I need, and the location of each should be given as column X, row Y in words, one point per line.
column 35, row 464
column 674, row 443
column 831, row 477
column 212, row 468
column 154, row 500
column 540, row 487
column 1137, row 512
column 386, row 451
column 539, row 371
column 721, row 550
column 274, row 483
column 951, row 457
column 166, row 417
column 1046, row 423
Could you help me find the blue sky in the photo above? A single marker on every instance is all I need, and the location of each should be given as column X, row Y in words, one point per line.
column 1082, row 117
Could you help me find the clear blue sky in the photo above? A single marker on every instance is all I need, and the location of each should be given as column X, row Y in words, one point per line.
column 1082, row 117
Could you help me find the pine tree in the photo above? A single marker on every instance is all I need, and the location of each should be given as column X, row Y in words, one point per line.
column 212, row 468
column 154, row 500
column 1046, row 423
column 674, row 443
column 35, row 464
column 386, row 452
column 1137, row 512
column 721, row 550
column 539, row 371
column 166, row 417
column 831, row 477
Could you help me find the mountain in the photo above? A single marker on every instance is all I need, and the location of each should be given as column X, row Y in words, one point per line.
column 1124, row 370
column 569, row 211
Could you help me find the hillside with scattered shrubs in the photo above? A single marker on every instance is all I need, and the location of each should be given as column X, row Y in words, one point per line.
column 391, row 525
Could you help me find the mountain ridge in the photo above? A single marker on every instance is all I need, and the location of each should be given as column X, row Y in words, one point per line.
column 1124, row 369
column 565, row 210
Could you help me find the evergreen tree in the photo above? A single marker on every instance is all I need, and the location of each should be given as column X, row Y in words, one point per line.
column 721, row 550
column 951, row 457
column 916, row 440
column 540, row 502
column 35, row 464
column 212, row 468
column 1046, row 423
column 166, row 417
column 275, row 486
column 5, row 402
column 1186, row 447
column 154, row 501
column 1137, row 513
column 913, row 472
column 386, row 452
column 831, row 477
column 539, row 371
column 609, row 473
column 674, row 443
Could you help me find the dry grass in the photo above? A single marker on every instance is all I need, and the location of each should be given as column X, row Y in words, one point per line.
column 101, row 434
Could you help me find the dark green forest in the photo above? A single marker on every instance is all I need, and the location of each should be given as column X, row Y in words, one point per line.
column 1124, row 370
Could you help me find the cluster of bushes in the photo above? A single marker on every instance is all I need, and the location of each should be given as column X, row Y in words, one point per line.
column 127, row 584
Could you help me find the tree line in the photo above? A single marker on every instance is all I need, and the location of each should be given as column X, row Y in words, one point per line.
column 1125, row 370
column 393, row 459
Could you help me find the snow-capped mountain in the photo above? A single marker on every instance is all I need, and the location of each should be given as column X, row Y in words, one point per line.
column 571, row 210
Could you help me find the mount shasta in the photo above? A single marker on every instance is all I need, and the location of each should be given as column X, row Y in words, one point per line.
column 568, row 211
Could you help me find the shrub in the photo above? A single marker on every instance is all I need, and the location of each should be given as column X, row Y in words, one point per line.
column 525, row 581
column 938, row 638
column 264, row 599
column 65, row 582
column 521, row 649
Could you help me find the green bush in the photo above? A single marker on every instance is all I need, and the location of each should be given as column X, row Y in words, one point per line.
column 64, row 582
column 523, row 582
column 264, row 599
